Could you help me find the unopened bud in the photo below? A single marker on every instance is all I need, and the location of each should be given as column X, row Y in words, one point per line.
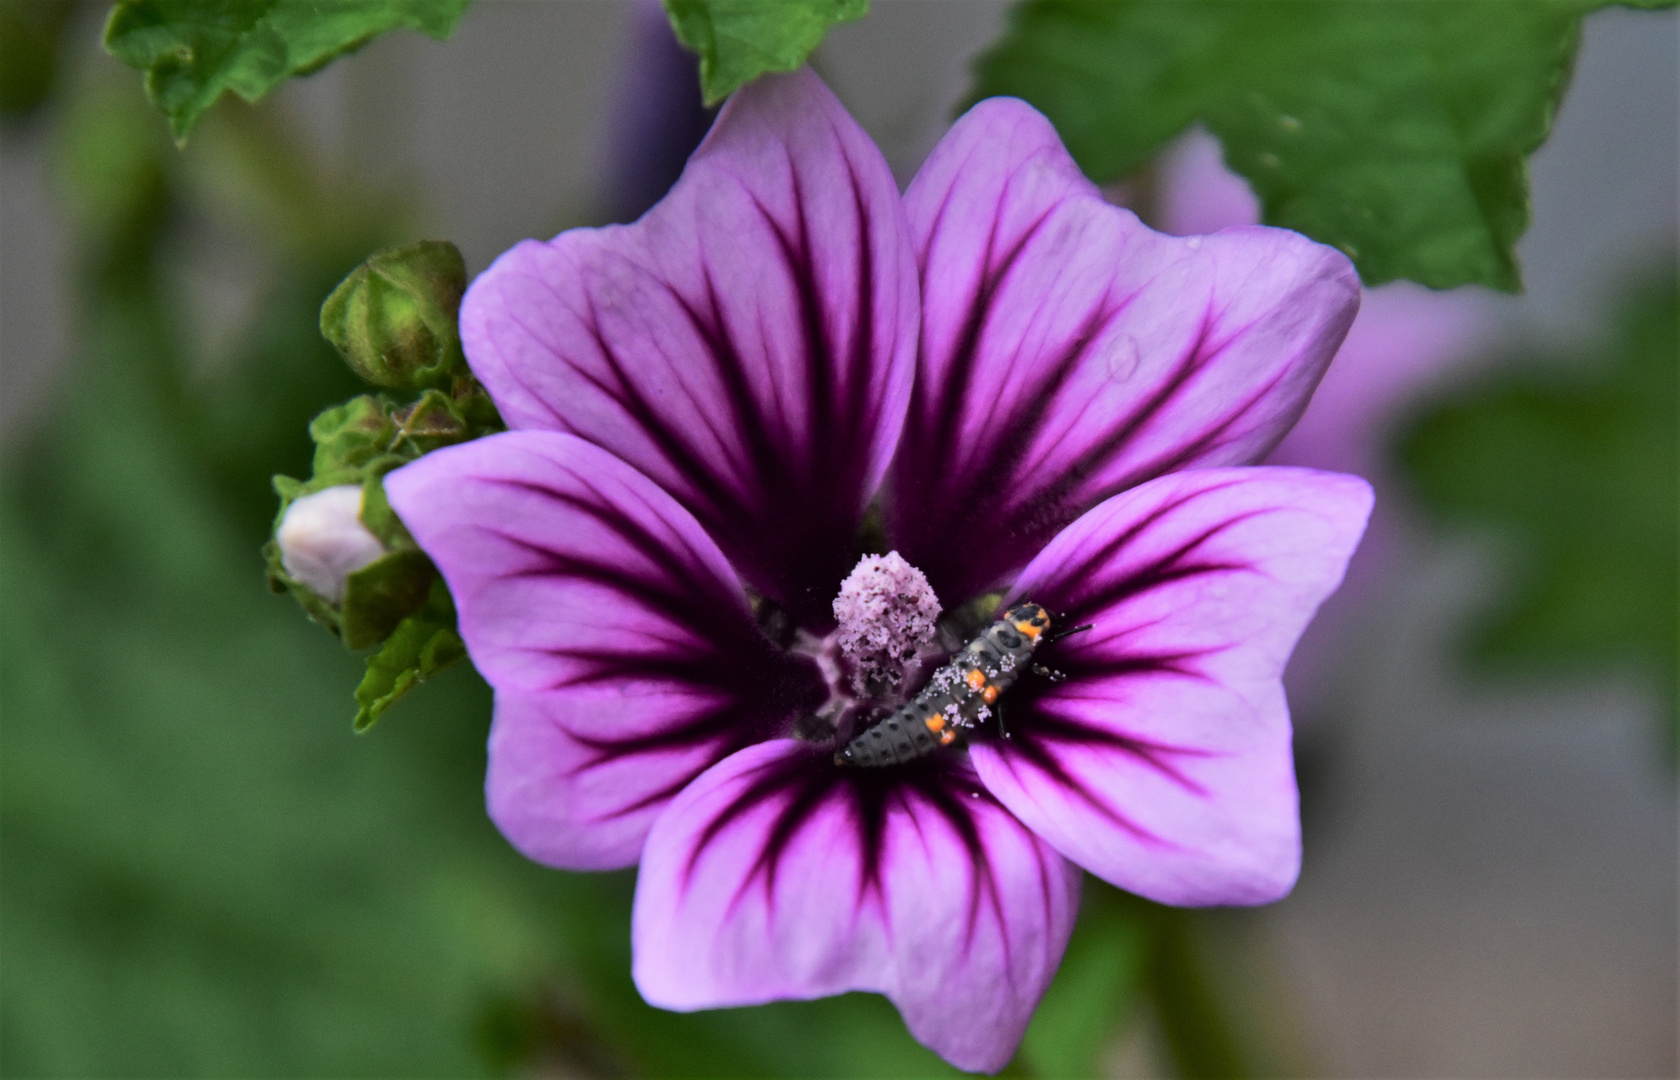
column 322, row 540
column 394, row 318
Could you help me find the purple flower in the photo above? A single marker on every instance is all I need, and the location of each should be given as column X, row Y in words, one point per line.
column 1031, row 388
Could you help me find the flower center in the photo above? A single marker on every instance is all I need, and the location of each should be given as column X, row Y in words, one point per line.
column 884, row 640
column 886, row 612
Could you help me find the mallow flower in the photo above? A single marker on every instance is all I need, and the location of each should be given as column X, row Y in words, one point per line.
column 784, row 383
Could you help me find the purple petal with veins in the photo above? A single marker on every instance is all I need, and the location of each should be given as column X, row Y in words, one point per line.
column 748, row 344
column 1163, row 763
column 781, row 875
column 625, row 658
column 1069, row 353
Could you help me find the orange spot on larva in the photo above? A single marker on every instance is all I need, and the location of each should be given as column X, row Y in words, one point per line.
column 975, row 678
column 990, row 693
column 936, row 722
column 1027, row 627
column 948, row 738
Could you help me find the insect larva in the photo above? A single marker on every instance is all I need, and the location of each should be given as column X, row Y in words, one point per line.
column 960, row 695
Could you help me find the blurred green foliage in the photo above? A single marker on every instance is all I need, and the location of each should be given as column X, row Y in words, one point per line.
column 201, row 878
column 1100, row 980
column 739, row 40
column 194, row 50
column 1573, row 467
column 1398, row 131
column 29, row 33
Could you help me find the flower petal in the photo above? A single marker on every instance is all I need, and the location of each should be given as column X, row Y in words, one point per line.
column 1163, row 763
column 625, row 658
column 781, row 875
column 748, row 344
column 1198, row 194
column 1069, row 353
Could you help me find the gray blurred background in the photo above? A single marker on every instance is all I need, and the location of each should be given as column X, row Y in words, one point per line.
column 1490, row 876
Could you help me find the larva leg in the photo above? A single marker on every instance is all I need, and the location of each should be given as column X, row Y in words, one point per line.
column 1048, row 673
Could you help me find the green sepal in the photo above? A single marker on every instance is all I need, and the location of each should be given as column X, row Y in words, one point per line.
column 350, row 436
column 380, row 519
column 381, row 595
column 434, row 421
column 371, row 434
column 393, row 319
column 288, row 489
column 358, row 442
column 476, row 408
column 421, row 646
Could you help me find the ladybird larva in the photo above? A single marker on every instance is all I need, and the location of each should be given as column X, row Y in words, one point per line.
column 958, row 696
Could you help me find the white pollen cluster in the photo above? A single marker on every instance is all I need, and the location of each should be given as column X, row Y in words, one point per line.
column 886, row 611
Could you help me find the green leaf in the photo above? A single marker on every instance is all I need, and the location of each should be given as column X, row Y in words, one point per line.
column 739, row 40
column 1397, row 131
column 1573, row 467
column 193, row 50
column 421, row 646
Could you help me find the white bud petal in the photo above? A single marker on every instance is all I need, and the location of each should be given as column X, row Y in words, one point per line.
column 323, row 541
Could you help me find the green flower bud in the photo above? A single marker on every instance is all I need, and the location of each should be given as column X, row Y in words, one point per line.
column 394, row 318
